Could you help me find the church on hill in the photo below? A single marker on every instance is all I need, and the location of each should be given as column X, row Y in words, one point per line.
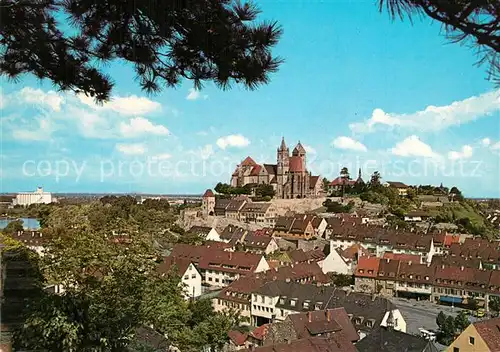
column 289, row 176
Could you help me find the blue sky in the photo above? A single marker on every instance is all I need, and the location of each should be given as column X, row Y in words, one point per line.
column 357, row 89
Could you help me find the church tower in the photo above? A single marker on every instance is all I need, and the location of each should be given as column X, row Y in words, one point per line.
column 300, row 151
column 282, row 167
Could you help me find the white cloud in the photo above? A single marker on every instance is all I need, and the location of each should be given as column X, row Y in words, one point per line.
column 138, row 126
column 195, row 95
column 51, row 99
column 495, row 146
column 131, row 105
column 434, row 118
column 349, row 144
column 465, row 153
column 413, row 146
column 309, row 149
column 486, row 142
column 43, row 132
column 131, row 149
column 160, row 157
column 233, row 140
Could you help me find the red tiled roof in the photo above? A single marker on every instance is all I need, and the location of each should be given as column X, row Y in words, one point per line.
column 340, row 181
column 295, row 163
column 168, row 263
column 300, row 256
column 450, row 239
column 408, row 258
column 489, row 330
column 248, row 162
column 337, row 342
column 397, row 184
column 210, row 257
column 323, row 322
column 208, row 193
column 313, row 180
column 255, row 170
column 366, row 264
column 354, row 250
column 260, row 332
column 237, row 337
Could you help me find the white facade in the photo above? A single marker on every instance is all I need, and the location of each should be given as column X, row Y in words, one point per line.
column 37, row 197
column 398, row 320
column 223, row 278
column 272, row 247
column 263, row 306
column 321, row 228
column 192, row 282
column 334, row 263
column 213, row 235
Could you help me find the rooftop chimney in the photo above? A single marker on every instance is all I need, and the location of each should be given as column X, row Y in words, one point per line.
column 309, row 316
column 230, row 255
column 462, row 268
column 328, row 317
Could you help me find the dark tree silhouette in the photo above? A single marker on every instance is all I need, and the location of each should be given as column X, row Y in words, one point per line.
column 475, row 23
column 166, row 41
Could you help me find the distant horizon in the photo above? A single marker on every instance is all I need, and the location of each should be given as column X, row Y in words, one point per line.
column 168, row 194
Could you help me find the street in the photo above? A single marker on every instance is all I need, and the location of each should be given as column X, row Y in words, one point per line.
column 421, row 314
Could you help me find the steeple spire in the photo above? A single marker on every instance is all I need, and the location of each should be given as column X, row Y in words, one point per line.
column 283, row 144
column 359, row 173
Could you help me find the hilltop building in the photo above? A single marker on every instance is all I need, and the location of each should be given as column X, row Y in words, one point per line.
column 289, row 176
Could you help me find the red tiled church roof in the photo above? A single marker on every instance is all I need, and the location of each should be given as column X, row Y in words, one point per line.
column 248, row 162
column 208, row 193
column 296, row 164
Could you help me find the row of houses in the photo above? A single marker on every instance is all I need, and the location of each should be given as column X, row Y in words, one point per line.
column 273, row 305
column 219, row 264
column 437, row 283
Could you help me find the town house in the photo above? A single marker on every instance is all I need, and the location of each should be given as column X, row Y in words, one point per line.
column 218, row 266
column 276, row 300
column 239, row 293
column 294, row 228
column 258, row 213
column 190, row 276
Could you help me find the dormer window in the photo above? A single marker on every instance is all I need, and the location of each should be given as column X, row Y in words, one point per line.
column 306, row 305
column 381, row 273
column 410, row 276
column 402, row 276
column 427, row 278
column 282, row 301
column 361, row 271
column 293, row 302
column 370, row 271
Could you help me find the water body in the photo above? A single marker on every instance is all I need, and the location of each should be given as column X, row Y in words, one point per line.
column 28, row 223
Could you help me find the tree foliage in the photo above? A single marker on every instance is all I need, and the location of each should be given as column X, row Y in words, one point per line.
column 104, row 255
column 474, row 23
column 166, row 41
column 13, row 227
column 336, row 207
column 494, row 304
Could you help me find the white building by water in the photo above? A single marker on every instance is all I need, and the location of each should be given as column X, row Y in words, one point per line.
column 37, row 197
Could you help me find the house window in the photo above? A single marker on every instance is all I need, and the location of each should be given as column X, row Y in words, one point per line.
column 292, row 303
column 186, row 277
column 193, row 276
column 471, row 340
column 216, row 280
column 456, row 349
